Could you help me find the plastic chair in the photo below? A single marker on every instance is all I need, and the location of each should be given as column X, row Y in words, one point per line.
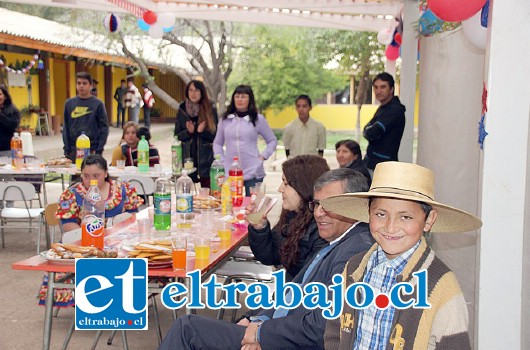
column 19, row 191
column 51, row 222
column 237, row 271
column 145, row 186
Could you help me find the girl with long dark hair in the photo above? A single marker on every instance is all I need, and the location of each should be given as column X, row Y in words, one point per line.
column 295, row 239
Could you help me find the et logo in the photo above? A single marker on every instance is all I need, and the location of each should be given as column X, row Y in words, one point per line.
column 111, row 294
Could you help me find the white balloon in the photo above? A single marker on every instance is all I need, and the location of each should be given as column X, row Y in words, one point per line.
column 474, row 31
column 156, row 31
column 384, row 36
column 166, row 20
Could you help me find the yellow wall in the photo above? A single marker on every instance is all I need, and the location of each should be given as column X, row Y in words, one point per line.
column 19, row 95
column 117, row 75
column 334, row 117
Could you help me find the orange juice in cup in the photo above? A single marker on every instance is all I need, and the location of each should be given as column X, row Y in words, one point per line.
column 179, row 245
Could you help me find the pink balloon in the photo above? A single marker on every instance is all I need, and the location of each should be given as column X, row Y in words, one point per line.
column 392, row 52
column 455, row 10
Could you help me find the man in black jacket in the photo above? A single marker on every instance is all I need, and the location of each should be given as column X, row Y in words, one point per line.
column 298, row 328
column 385, row 130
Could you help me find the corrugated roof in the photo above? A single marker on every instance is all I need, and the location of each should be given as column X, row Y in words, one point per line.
column 39, row 29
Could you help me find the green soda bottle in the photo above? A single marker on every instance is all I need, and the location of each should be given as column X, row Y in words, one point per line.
column 176, row 156
column 162, row 199
column 217, row 175
column 143, row 156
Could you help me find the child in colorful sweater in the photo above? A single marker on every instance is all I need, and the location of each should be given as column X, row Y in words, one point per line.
column 400, row 208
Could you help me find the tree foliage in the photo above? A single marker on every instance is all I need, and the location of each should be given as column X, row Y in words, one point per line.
column 281, row 63
column 356, row 53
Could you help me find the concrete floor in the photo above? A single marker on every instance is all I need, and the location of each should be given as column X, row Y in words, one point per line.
column 21, row 317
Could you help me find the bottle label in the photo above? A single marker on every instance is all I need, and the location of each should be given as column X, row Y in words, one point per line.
column 82, row 153
column 94, row 225
column 176, row 156
column 16, row 153
column 94, row 196
column 143, row 157
column 184, row 203
column 162, row 204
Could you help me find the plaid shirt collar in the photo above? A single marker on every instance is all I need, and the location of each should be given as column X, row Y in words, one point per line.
column 398, row 263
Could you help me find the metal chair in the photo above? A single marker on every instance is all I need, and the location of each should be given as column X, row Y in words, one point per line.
column 19, row 191
column 237, row 271
column 145, row 186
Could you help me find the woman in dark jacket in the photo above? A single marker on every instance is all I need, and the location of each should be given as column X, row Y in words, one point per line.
column 9, row 121
column 195, row 127
column 349, row 156
column 294, row 240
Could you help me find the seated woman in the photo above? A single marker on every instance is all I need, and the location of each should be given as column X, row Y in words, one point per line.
column 128, row 137
column 294, row 240
column 349, row 156
column 131, row 152
column 120, row 196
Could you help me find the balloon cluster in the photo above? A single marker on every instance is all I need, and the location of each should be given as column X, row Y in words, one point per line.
column 156, row 24
column 474, row 20
column 111, row 22
column 392, row 39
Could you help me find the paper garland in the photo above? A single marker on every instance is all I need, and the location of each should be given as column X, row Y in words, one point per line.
column 27, row 68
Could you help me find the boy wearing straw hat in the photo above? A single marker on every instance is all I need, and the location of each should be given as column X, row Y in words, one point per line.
column 400, row 208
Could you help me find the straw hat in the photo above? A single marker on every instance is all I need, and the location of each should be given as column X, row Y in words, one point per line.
column 402, row 181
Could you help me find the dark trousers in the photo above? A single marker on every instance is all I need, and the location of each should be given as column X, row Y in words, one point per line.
column 147, row 116
column 120, row 110
column 197, row 332
column 249, row 183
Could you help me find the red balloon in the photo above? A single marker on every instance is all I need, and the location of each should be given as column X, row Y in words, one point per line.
column 150, row 17
column 392, row 52
column 397, row 38
column 455, row 10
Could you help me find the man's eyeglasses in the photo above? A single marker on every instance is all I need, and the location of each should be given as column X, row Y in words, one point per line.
column 313, row 205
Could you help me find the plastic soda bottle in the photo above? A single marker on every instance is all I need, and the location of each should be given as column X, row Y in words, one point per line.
column 236, row 182
column 82, row 145
column 17, row 157
column 226, row 197
column 162, row 199
column 217, row 176
column 176, row 156
column 185, row 189
column 143, row 155
column 93, row 224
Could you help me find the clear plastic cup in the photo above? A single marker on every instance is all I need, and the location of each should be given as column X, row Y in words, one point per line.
column 179, row 245
column 202, row 247
column 120, row 164
column 224, row 230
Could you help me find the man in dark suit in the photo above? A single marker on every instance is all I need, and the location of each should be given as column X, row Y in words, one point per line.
column 298, row 328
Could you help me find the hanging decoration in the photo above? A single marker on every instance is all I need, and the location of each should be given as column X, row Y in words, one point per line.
column 392, row 52
column 429, row 24
column 474, row 31
column 111, row 22
column 482, row 133
column 155, row 24
column 26, row 69
column 455, row 10
column 384, row 36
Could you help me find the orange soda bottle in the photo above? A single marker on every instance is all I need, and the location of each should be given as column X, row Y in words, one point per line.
column 93, row 224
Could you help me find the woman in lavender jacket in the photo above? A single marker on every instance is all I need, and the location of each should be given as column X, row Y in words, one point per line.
column 238, row 131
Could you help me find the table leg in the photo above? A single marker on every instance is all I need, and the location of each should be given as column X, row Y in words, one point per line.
column 44, row 189
column 187, row 284
column 48, row 310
